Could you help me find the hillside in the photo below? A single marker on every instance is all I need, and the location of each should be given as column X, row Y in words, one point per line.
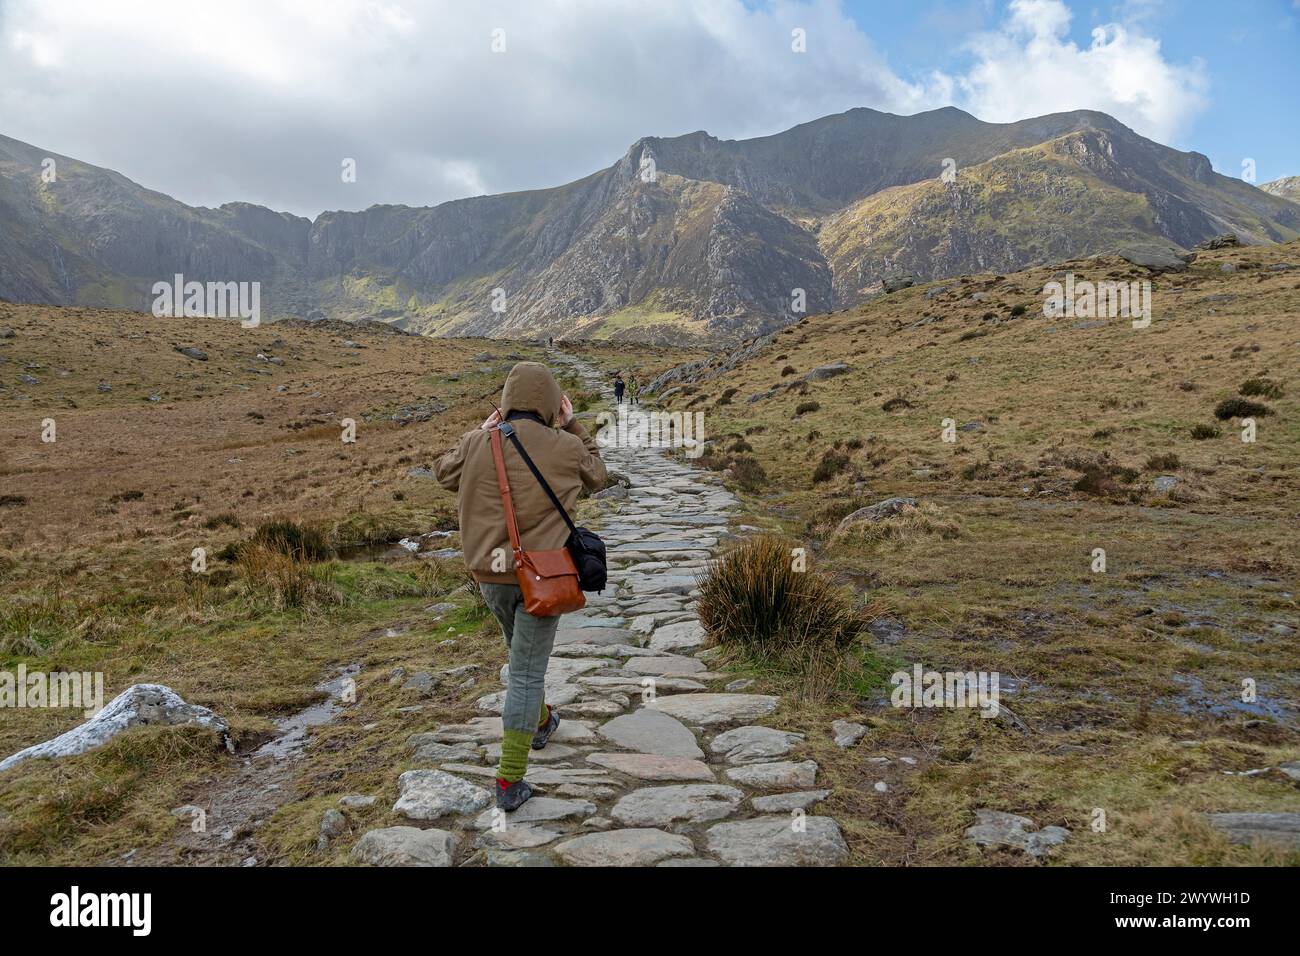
column 710, row 248
column 1069, row 435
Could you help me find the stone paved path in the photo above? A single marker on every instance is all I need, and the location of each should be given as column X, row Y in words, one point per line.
column 656, row 762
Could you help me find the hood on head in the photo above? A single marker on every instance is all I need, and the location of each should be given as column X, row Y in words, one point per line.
column 530, row 387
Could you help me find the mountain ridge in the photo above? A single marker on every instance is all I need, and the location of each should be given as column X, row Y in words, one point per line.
column 714, row 245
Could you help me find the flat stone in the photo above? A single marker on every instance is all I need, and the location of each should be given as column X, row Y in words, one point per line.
column 683, row 803
column 689, row 861
column 500, row 857
column 594, row 635
column 710, row 709
column 781, row 775
column 649, row 730
column 670, row 664
column 632, row 847
column 775, row 841
column 517, row 837
column 786, row 802
column 536, row 810
column 754, row 744
column 602, row 650
column 653, row 766
column 682, row 636
column 405, row 846
column 656, row 606
column 1277, row 828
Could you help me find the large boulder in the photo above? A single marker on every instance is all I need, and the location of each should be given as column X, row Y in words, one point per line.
column 823, row 372
column 1157, row 258
column 138, row 705
column 877, row 512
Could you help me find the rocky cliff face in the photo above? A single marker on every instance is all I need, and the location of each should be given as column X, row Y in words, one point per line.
column 727, row 239
column 1287, row 188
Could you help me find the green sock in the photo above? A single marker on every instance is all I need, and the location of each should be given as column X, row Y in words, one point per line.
column 514, row 755
column 543, row 720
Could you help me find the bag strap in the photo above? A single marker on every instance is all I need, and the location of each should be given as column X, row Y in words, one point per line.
column 506, row 500
column 505, row 428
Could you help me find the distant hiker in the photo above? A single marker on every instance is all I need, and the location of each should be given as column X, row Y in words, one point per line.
column 632, row 389
column 619, row 385
column 551, row 342
column 569, row 460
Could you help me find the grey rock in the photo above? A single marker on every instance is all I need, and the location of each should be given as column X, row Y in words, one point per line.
column 753, row 744
column 877, row 512
column 710, row 709
column 847, row 733
column 823, row 372
column 786, row 802
column 430, row 794
column 778, row 841
column 1157, row 258
column 190, row 351
column 681, row 636
column 536, row 810
column 996, row 828
column 140, row 704
column 779, row 775
column 1165, row 483
column 357, row 801
column 630, row 847
column 682, row 803
column 664, row 666
column 897, row 281
column 502, row 857
column 405, row 846
column 652, row 766
column 649, row 730
column 1246, row 828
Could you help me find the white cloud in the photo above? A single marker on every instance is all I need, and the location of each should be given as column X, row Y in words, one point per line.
column 261, row 100
column 1030, row 66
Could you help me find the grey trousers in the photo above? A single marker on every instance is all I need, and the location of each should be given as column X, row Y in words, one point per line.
column 530, row 640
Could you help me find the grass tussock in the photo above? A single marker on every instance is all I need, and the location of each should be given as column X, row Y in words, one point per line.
column 285, row 580
column 755, row 596
column 793, row 626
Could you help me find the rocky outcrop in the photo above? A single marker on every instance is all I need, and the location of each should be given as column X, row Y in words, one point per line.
column 139, row 705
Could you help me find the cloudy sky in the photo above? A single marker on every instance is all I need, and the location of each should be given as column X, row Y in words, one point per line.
column 263, row 100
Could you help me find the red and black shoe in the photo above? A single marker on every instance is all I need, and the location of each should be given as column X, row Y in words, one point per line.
column 511, row 796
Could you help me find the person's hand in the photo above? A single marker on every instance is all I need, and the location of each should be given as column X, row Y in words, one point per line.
column 566, row 411
column 492, row 420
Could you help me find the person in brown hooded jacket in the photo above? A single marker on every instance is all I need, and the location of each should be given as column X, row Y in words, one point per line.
column 567, row 456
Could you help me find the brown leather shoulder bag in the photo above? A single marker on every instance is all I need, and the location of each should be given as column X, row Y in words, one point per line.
column 549, row 579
